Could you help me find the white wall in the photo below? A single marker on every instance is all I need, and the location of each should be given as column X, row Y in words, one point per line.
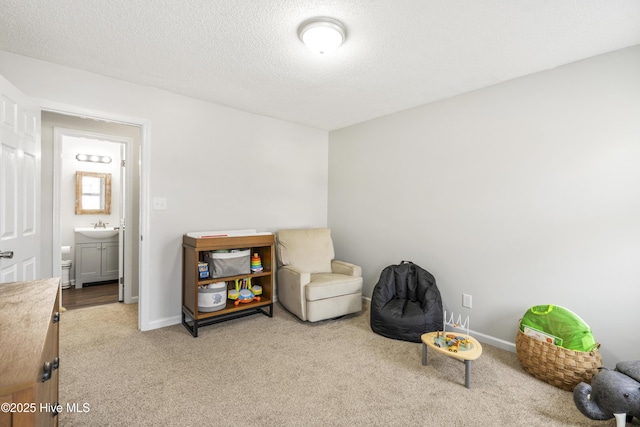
column 523, row 193
column 219, row 168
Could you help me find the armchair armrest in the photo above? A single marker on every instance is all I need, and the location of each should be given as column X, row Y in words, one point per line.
column 290, row 274
column 342, row 267
column 290, row 289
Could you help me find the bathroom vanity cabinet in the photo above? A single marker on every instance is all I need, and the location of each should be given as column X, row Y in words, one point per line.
column 97, row 260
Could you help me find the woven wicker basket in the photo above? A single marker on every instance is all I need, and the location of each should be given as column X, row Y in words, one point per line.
column 555, row 365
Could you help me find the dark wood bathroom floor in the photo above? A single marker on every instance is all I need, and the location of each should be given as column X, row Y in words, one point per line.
column 88, row 296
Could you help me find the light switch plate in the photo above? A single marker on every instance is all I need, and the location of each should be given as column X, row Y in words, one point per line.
column 466, row 300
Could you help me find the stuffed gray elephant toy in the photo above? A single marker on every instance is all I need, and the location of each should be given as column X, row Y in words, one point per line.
column 611, row 394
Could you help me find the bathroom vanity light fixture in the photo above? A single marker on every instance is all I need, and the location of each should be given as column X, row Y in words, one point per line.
column 322, row 35
column 93, row 158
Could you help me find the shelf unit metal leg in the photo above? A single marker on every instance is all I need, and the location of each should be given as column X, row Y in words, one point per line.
column 192, row 329
column 224, row 317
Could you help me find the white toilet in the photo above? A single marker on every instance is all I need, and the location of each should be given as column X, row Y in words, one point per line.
column 66, row 267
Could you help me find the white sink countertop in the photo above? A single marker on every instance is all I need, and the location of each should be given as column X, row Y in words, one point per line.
column 97, row 233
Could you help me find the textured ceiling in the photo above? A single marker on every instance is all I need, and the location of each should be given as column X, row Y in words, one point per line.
column 245, row 53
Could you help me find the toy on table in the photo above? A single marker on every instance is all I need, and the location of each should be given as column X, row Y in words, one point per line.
column 244, row 292
column 256, row 263
column 453, row 342
column 454, row 345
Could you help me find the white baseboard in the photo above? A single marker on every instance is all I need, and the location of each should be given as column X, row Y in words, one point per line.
column 483, row 338
column 167, row 321
column 496, row 342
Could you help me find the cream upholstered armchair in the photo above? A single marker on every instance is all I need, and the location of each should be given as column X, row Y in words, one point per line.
column 311, row 284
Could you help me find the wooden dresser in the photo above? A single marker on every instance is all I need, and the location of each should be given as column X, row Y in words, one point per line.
column 29, row 356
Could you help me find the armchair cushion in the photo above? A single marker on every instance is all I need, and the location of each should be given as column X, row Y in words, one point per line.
column 309, row 250
column 329, row 285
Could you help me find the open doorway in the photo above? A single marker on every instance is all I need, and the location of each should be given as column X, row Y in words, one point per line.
column 65, row 136
column 93, row 220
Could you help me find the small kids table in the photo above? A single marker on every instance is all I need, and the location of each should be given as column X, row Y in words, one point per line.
column 463, row 352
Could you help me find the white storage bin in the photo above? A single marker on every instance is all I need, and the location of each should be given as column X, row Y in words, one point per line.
column 225, row 264
column 213, row 297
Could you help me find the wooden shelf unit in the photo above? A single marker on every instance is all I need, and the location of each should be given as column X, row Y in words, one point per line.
column 193, row 251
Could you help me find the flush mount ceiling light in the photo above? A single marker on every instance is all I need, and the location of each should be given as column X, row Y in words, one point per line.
column 93, row 158
column 322, row 35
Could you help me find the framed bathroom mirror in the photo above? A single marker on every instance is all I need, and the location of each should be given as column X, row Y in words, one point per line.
column 93, row 193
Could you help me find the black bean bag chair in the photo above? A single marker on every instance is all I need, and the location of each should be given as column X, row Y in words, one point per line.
column 406, row 303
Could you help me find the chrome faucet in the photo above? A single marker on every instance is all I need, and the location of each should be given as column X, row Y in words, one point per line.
column 100, row 224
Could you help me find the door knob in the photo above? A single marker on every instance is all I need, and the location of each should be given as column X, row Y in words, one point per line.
column 6, row 254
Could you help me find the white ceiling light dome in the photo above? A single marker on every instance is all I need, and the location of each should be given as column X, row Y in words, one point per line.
column 322, row 35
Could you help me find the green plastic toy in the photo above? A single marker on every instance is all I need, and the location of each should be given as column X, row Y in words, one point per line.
column 560, row 322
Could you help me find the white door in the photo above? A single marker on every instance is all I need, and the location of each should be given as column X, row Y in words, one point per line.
column 123, row 212
column 19, row 185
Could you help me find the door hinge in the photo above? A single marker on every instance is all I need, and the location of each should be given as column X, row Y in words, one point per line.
column 122, row 163
column 122, row 280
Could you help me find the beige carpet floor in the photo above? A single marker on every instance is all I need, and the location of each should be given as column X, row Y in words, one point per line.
column 260, row 371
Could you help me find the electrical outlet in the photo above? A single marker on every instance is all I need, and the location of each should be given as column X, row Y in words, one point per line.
column 159, row 204
column 466, row 300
